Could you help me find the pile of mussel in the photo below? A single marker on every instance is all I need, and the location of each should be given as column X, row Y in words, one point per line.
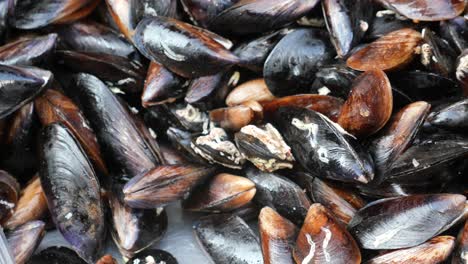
column 297, row 131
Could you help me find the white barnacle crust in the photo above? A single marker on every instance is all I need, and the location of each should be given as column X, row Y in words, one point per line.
column 326, row 240
column 324, row 90
column 426, row 54
column 462, row 68
column 311, row 254
column 311, row 128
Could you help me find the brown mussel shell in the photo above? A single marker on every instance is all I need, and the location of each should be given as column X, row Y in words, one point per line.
column 107, row 259
column 426, row 10
column 9, row 189
column 408, row 221
column 72, row 191
column 24, row 240
column 253, row 90
column 322, row 239
column 232, row 118
column 223, row 193
column 161, row 86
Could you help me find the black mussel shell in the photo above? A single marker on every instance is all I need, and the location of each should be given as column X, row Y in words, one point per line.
column 183, row 116
column 436, row 54
column 28, row 50
column 347, row 22
column 127, row 76
column 72, row 191
column 181, row 47
column 455, row 31
column 217, row 148
column 125, row 150
column 228, row 239
column 280, row 193
column 254, row 16
column 408, row 221
column 165, row 8
column 133, row 230
column 462, row 71
column 383, row 23
column 9, row 194
column 89, row 36
column 56, row 255
column 323, row 147
column 292, row 64
column 453, row 116
column 122, row 14
column 151, row 256
column 24, row 240
column 264, row 147
column 161, row 86
column 19, row 155
column 31, row 14
column 18, row 86
column 182, row 141
column 334, row 80
column 253, row 53
column 6, row 10
column 201, row 12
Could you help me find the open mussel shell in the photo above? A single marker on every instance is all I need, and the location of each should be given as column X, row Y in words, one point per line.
column 228, row 239
column 334, row 200
column 254, row 16
column 164, row 184
column 223, row 193
column 462, row 70
column 369, row 105
column 292, row 64
column 396, row 136
column 28, row 50
column 161, row 86
column 24, row 240
column 279, row 193
column 453, row 116
column 208, row 92
column 390, row 52
column 19, row 85
column 455, row 31
column 32, row 205
column 72, row 191
column 166, row 41
column 201, row 12
column 253, row 90
column 9, row 189
column 347, row 22
column 324, row 240
column 134, row 230
column 426, row 10
column 52, row 106
column 217, row 148
column 277, row 235
column 328, row 105
column 323, row 147
column 264, row 147
column 36, row 14
column 88, row 36
column 125, row 149
column 436, row 250
column 126, row 75
column 402, row 222
column 151, row 256
column 57, row 255
column 19, row 155
column 232, row 118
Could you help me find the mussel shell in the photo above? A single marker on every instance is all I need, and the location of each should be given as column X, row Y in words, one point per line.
column 254, row 16
column 279, row 193
column 322, row 147
column 182, row 140
column 133, row 230
column 426, row 10
column 120, row 72
column 223, row 193
column 452, row 117
column 436, row 250
column 165, row 8
column 324, row 240
column 292, row 64
column 89, row 36
column 383, row 24
column 35, row 14
column 456, row 32
column 125, row 150
column 201, row 12
column 28, row 50
column 228, row 239
column 442, row 56
column 107, row 259
column 19, row 156
column 458, row 256
column 124, row 15
column 408, row 221
column 72, row 191
column 337, row 79
column 32, row 205
column 164, row 184
column 161, row 86
column 253, row 90
column 24, row 240
column 52, row 106
column 56, row 255
column 182, row 48
column 19, row 86
column 392, row 51
column 462, row 71
column 9, row 189
column 6, row 9
column 232, row 118
column 153, row 256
